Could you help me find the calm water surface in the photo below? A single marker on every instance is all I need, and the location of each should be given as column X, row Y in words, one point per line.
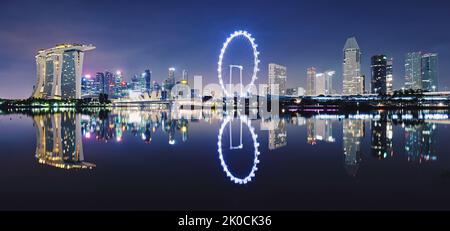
column 138, row 159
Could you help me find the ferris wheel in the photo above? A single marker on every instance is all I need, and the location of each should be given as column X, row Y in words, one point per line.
column 256, row 61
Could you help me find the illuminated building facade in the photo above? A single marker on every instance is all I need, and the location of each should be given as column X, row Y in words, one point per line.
column 120, row 85
column 59, row 71
column 147, row 79
column 421, row 71
column 351, row 68
column 108, row 83
column 277, row 76
column 311, row 81
column 88, row 86
column 320, row 84
column 413, row 70
column 430, row 72
column 379, row 74
column 390, row 76
column 360, row 84
column 170, row 82
column 324, row 83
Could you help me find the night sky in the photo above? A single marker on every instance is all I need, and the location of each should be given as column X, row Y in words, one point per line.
column 135, row 35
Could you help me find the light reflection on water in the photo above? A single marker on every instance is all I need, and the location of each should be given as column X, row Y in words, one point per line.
column 70, row 141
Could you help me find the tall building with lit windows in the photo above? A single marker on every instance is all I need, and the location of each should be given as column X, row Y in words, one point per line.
column 379, row 74
column 352, row 68
column 413, row 70
column 421, row 71
column 324, row 83
column 109, row 83
column 170, row 81
column 311, row 81
column 277, row 76
column 147, row 79
column 390, row 76
column 171, row 77
column 59, row 71
column 430, row 72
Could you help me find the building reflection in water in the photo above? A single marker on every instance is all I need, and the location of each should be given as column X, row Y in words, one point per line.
column 140, row 123
column 382, row 134
column 277, row 134
column 420, row 142
column 59, row 141
column 59, row 136
column 319, row 130
column 353, row 133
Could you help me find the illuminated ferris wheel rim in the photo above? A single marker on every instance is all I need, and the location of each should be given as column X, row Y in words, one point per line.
column 233, row 178
column 256, row 61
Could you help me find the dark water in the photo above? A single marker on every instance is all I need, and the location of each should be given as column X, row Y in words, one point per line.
column 161, row 160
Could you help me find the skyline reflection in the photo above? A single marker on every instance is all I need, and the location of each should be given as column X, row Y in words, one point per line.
column 59, row 141
column 60, row 135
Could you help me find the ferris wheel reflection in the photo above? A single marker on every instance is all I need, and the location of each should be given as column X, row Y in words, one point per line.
column 243, row 121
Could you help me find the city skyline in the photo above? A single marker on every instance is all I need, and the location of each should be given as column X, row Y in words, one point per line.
column 154, row 46
column 240, row 107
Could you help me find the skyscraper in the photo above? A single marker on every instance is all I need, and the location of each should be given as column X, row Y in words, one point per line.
column 109, row 84
column 147, row 78
column 421, row 71
column 413, row 70
column 311, row 81
column 100, row 81
column 320, row 84
column 170, row 81
column 329, row 82
column 351, row 68
column 379, row 70
column 324, row 83
column 118, row 85
column 277, row 76
column 430, row 72
column 59, row 71
column 135, row 85
column 390, row 76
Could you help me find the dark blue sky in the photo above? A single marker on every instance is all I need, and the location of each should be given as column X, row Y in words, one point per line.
column 134, row 35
